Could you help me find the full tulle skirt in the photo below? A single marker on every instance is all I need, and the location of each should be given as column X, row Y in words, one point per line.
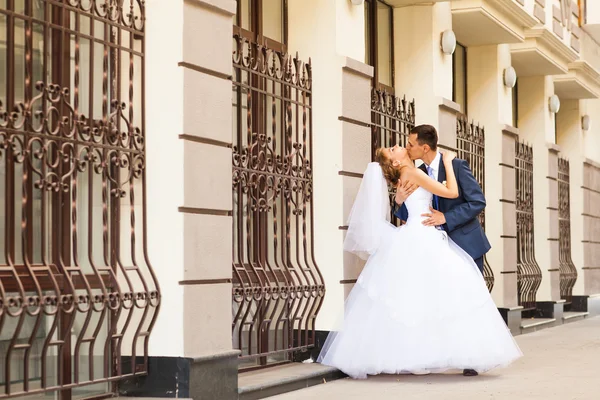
column 420, row 304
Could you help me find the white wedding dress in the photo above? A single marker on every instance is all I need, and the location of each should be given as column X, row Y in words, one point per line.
column 420, row 303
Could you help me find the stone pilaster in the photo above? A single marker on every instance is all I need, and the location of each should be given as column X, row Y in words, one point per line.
column 591, row 227
column 570, row 139
column 552, row 233
column 356, row 148
column 447, row 116
column 589, row 200
column 207, row 202
column 503, row 257
column 505, row 266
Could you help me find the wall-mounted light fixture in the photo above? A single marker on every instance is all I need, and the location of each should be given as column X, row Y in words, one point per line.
column 586, row 122
column 554, row 103
column 448, row 42
column 510, row 77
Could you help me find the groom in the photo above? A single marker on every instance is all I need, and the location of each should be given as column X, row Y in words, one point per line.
column 458, row 217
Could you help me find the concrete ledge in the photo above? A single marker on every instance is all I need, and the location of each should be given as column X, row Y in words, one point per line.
column 574, row 316
column 536, row 324
column 594, row 305
column 446, row 147
column 227, row 7
column 215, row 376
column 512, row 318
column 591, row 162
column 277, row 380
column 553, row 148
column 510, row 130
column 358, row 67
column 449, row 105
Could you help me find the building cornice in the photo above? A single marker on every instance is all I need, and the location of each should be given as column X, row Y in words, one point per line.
column 544, row 37
column 586, row 69
column 584, row 75
column 517, row 12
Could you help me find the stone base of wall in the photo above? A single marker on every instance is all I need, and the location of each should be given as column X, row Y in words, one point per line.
column 168, row 377
column 213, row 377
column 512, row 318
column 590, row 304
column 551, row 309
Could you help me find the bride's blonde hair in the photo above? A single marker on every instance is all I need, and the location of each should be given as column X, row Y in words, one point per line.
column 390, row 172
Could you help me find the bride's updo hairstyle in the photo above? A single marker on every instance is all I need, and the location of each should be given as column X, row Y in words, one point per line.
column 391, row 173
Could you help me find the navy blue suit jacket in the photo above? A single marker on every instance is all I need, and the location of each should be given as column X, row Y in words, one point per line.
column 462, row 222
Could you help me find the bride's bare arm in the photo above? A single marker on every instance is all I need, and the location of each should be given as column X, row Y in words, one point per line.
column 420, row 178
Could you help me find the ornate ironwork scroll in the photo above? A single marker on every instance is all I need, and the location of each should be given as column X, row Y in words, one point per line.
column 470, row 142
column 277, row 286
column 529, row 273
column 568, row 272
column 392, row 119
column 78, row 298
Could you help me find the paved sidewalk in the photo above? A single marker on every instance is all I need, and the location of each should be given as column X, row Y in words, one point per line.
column 561, row 363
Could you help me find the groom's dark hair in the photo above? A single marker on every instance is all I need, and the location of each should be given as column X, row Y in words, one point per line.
column 426, row 134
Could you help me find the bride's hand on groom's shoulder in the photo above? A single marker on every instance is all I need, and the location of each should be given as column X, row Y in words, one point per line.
column 404, row 189
column 448, row 156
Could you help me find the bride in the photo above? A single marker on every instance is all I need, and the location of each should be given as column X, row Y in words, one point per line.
column 420, row 304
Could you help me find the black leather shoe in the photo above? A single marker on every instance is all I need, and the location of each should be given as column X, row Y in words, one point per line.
column 470, row 372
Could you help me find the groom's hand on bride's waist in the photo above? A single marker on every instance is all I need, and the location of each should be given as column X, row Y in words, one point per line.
column 434, row 218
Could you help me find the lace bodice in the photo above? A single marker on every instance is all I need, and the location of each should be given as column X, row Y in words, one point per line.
column 417, row 204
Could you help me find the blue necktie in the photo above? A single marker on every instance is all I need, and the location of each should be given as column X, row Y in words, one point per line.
column 432, row 176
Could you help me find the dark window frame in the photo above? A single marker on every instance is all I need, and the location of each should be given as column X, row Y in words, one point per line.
column 465, row 76
column 515, row 105
column 259, row 108
column 256, row 31
column 373, row 44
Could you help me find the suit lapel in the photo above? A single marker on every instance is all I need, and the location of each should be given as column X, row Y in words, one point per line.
column 441, row 179
column 442, row 172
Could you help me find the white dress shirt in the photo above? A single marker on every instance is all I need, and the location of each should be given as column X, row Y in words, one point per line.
column 435, row 165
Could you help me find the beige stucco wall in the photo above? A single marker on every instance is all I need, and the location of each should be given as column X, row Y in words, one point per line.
column 349, row 29
column 489, row 103
column 591, row 138
column 334, row 36
column 207, row 171
column 591, row 234
column 591, row 200
column 593, row 12
column 194, row 319
column 164, row 170
column 423, row 71
column 571, row 141
column 590, row 51
column 318, row 41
